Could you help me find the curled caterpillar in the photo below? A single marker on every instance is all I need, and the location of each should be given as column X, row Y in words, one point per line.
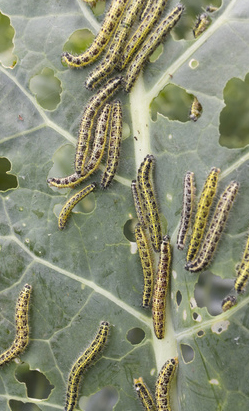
column 22, row 327
column 101, row 40
column 71, row 203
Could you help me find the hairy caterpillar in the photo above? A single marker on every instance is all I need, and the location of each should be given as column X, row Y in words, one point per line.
column 141, row 32
column 99, row 141
column 138, row 203
column 114, row 145
column 201, row 24
column 149, row 201
column 82, row 363
column 87, row 121
column 228, row 303
column 71, row 203
column 22, row 327
column 215, row 229
column 161, row 287
column 147, row 9
column 187, row 209
column 147, row 264
column 163, row 384
column 95, row 157
column 202, row 212
column 112, row 56
column 144, row 395
column 243, row 270
column 101, row 40
column 150, row 45
column 195, row 110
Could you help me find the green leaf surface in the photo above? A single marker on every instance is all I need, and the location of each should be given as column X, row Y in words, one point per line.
column 90, row 271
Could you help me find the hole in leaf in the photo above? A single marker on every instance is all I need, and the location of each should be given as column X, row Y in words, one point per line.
column 63, row 162
column 200, row 333
column 210, row 291
column 187, row 353
column 129, row 228
column 6, row 44
column 172, row 102
column 20, row 406
column 193, row 64
column 104, row 400
column 38, row 386
column 47, row 89
column 79, row 41
column 178, row 297
column 135, row 335
column 98, row 7
column 234, row 118
column 156, row 54
column 7, row 181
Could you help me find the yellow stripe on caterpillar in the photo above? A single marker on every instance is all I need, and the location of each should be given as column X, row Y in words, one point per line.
column 155, row 38
column 87, row 121
column 243, row 270
column 145, row 255
column 22, row 327
column 187, row 209
column 71, row 203
column 109, row 24
column 162, row 391
column 149, row 202
column 201, row 25
column 228, row 303
column 114, row 145
column 116, row 46
column 161, row 288
column 144, row 28
column 82, row 364
column 203, row 208
column 215, row 229
column 138, row 203
column 144, row 395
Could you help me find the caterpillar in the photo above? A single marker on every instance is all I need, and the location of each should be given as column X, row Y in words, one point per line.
column 147, row 9
column 187, row 209
column 114, row 145
column 96, row 155
column 150, row 45
column 101, row 40
column 71, row 203
column 211, row 9
column 147, row 264
column 161, row 287
column 163, row 384
column 195, row 110
column 112, row 56
column 215, row 229
column 202, row 213
column 151, row 18
column 87, row 121
column 138, row 203
column 22, row 327
column 228, row 303
column 243, row 270
column 99, row 140
column 144, row 395
column 83, row 362
column 201, row 24
column 149, row 201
